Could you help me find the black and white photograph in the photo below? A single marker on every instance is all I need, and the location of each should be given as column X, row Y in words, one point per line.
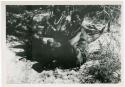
column 63, row 44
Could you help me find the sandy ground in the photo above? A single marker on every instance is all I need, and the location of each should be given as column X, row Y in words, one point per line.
column 21, row 71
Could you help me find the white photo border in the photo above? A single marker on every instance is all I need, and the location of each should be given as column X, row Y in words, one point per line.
column 3, row 35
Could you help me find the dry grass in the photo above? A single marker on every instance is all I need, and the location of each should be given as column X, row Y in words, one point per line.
column 104, row 64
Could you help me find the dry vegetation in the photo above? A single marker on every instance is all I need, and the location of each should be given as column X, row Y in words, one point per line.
column 103, row 63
